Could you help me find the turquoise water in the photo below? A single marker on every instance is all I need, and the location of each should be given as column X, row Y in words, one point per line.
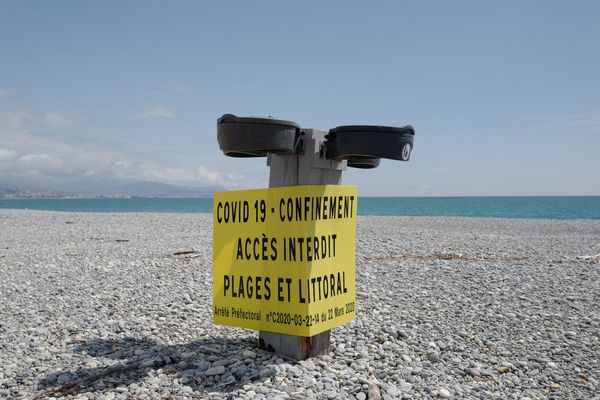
column 571, row 207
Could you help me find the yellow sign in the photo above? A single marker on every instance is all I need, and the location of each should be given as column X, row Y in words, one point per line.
column 284, row 258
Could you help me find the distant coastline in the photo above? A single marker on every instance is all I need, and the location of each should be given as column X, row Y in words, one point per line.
column 118, row 190
column 35, row 195
column 22, row 194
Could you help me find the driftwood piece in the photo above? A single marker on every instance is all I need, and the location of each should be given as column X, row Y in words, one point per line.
column 184, row 253
column 187, row 254
column 594, row 259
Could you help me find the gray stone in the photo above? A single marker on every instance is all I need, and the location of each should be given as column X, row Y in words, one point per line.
column 63, row 379
column 218, row 370
column 202, row 365
column 148, row 362
column 265, row 372
column 433, row 357
column 263, row 390
column 392, row 391
column 224, row 362
column 187, row 390
column 241, row 371
column 248, row 354
column 444, row 393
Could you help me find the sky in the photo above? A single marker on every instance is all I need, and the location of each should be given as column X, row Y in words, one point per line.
column 504, row 96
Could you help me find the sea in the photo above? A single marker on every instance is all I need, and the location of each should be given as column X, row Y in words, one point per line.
column 547, row 207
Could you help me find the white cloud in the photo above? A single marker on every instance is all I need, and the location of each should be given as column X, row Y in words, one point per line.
column 31, row 158
column 210, row 176
column 200, row 175
column 38, row 160
column 33, row 153
column 7, row 154
column 18, row 118
column 159, row 112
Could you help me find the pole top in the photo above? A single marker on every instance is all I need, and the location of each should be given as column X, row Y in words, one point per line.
column 362, row 145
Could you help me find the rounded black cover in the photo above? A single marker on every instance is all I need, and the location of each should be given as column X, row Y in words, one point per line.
column 255, row 136
column 363, row 145
column 363, row 162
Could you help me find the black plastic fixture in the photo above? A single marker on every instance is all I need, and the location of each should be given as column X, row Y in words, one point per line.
column 364, row 145
column 256, row 136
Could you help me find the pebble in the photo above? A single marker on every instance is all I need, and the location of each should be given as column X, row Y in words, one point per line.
column 249, row 354
column 265, row 372
column 392, row 391
column 218, row 370
column 148, row 362
column 503, row 369
column 63, row 379
column 437, row 312
column 263, row 390
column 433, row 357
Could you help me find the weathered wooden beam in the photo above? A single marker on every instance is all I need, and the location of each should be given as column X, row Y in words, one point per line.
column 308, row 167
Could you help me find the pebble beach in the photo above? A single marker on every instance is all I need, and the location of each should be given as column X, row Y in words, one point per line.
column 119, row 306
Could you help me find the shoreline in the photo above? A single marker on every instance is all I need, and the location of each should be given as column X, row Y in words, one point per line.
column 359, row 216
column 446, row 306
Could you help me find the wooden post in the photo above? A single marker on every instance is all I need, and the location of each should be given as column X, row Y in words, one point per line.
column 308, row 167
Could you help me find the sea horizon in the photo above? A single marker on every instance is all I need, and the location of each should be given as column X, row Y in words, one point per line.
column 533, row 207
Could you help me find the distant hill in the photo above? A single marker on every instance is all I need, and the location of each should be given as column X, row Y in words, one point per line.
column 157, row 189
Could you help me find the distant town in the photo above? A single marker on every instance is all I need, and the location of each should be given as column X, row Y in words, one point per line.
column 124, row 191
column 46, row 194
